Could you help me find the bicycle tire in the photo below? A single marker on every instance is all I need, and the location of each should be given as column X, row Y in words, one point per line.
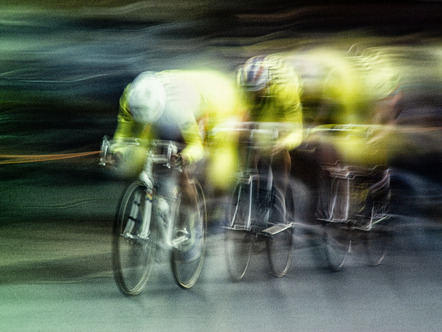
column 132, row 257
column 280, row 246
column 188, row 257
column 238, row 240
column 337, row 245
column 376, row 243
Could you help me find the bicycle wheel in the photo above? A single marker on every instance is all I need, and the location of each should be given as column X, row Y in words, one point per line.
column 337, row 246
column 238, row 239
column 280, row 240
column 132, row 255
column 376, row 243
column 189, row 240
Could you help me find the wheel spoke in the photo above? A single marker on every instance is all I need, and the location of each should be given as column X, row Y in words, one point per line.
column 238, row 240
column 132, row 254
column 189, row 242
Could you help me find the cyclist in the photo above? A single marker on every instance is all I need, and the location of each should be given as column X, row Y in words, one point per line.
column 347, row 88
column 353, row 87
column 271, row 94
column 179, row 105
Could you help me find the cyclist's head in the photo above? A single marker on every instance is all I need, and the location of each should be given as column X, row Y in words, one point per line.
column 254, row 75
column 147, row 98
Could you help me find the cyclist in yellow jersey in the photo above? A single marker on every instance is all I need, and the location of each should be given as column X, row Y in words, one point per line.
column 340, row 87
column 351, row 89
column 347, row 88
column 179, row 105
column 271, row 95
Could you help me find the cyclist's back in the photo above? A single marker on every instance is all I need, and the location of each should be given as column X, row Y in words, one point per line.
column 342, row 87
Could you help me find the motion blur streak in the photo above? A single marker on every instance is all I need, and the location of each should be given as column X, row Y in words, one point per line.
column 63, row 67
column 19, row 159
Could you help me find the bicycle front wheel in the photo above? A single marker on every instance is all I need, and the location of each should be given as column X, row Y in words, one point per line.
column 132, row 252
column 238, row 239
column 189, row 240
column 280, row 240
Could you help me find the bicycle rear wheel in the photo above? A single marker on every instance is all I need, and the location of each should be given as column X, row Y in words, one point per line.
column 280, row 240
column 376, row 245
column 337, row 246
column 132, row 255
column 239, row 240
column 189, row 240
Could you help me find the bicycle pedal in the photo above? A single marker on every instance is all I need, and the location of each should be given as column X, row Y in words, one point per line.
column 135, row 237
column 278, row 228
column 179, row 240
column 237, row 228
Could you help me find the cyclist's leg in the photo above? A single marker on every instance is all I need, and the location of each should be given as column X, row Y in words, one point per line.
column 190, row 217
column 272, row 195
column 188, row 190
column 189, row 239
column 167, row 181
column 281, row 168
column 325, row 155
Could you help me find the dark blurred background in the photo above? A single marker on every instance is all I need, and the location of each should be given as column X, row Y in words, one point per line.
column 64, row 64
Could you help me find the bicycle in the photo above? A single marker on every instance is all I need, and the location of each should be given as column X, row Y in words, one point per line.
column 152, row 216
column 356, row 205
column 257, row 211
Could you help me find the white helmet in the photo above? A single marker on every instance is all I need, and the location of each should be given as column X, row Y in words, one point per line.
column 147, row 98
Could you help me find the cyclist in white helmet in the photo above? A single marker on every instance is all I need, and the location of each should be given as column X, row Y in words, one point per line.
column 157, row 106
column 178, row 105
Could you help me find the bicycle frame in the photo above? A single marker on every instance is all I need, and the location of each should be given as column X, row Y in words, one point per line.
column 250, row 176
column 344, row 177
column 348, row 175
column 156, row 206
column 163, row 217
column 257, row 216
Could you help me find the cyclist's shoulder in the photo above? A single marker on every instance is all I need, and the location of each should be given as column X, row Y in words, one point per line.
column 284, row 83
column 280, row 67
column 380, row 68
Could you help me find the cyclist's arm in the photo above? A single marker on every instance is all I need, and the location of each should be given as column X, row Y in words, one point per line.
column 126, row 126
column 292, row 116
column 194, row 149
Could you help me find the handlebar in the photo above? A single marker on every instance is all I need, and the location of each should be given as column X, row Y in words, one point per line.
column 263, row 127
column 159, row 151
column 350, row 129
column 352, row 171
column 250, row 132
column 167, row 148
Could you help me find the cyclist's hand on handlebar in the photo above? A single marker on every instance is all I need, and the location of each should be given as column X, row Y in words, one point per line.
column 178, row 160
column 115, row 155
column 278, row 148
column 116, row 158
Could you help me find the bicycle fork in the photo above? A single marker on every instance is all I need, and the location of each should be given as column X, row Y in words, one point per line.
column 133, row 219
column 147, row 215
